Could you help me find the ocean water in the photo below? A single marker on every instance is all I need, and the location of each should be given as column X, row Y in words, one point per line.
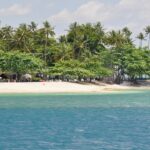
column 75, row 122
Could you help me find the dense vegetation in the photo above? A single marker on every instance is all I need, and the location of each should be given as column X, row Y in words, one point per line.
column 86, row 52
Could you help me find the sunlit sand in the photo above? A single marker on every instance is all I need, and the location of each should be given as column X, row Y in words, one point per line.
column 62, row 87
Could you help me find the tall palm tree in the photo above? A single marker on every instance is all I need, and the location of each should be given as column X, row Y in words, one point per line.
column 127, row 31
column 48, row 31
column 21, row 37
column 33, row 26
column 141, row 38
column 63, row 39
column 99, row 28
column 6, row 35
column 127, row 34
column 147, row 31
column 33, row 32
column 7, row 32
column 116, row 38
column 76, row 36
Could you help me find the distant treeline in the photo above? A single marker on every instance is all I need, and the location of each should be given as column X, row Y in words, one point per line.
column 86, row 52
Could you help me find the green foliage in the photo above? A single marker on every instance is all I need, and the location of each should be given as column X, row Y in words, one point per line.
column 86, row 51
column 86, row 37
column 95, row 66
column 90, row 68
column 131, row 61
column 16, row 62
column 70, row 68
column 136, row 63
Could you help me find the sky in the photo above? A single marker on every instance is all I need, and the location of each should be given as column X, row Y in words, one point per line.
column 113, row 14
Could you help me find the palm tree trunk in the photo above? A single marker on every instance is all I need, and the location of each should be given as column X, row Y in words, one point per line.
column 46, row 43
column 149, row 41
column 141, row 44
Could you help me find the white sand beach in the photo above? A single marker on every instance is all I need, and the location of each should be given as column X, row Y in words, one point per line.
column 62, row 87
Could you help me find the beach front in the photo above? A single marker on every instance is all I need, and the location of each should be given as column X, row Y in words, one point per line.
column 62, row 87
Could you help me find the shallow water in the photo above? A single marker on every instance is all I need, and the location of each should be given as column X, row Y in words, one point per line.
column 75, row 122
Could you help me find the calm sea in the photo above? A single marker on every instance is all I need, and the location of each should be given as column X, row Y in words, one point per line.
column 75, row 122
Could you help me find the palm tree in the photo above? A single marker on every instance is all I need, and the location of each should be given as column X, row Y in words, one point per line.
column 6, row 35
column 48, row 31
column 116, row 38
column 7, row 32
column 33, row 26
column 33, row 32
column 127, row 34
column 147, row 31
column 76, row 36
column 127, row 31
column 22, row 37
column 141, row 38
column 99, row 29
column 63, row 39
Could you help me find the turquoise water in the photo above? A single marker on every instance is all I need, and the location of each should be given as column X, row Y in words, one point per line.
column 75, row 122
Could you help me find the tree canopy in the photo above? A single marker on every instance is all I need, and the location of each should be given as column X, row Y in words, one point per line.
column 85, row 51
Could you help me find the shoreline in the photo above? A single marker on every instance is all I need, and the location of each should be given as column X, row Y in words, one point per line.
column 64, row 88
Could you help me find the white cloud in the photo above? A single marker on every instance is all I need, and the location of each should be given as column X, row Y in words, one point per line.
column 131, row 13
column 15, row 10
column 81, row 14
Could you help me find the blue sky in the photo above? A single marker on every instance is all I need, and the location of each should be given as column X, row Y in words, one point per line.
column 37, row 10
column 60, row 13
